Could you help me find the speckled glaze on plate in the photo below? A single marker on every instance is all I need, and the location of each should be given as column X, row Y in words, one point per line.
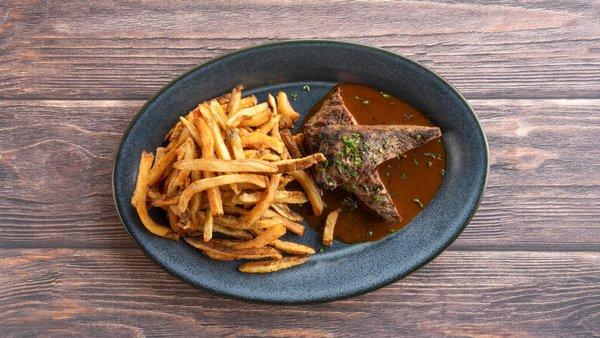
column 342, row 270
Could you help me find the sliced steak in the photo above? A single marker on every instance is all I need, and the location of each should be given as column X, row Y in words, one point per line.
column 353, row 152
column 332, row 111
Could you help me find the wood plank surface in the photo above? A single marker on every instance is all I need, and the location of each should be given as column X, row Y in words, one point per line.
column 128, row 50
column 56, row 172
column 73, row 74
column 100, row 292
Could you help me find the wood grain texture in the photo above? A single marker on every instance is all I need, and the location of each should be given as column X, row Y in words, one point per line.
column 100, row 292
column 72, row 75
column 115, row 49
column 56, row 166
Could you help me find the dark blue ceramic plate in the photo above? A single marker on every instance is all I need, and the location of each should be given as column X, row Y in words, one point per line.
column 342, row 270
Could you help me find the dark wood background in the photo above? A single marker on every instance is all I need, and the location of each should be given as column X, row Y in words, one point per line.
column 72, row 74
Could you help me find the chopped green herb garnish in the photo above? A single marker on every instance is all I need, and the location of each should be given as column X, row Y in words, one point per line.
column 408, row 116
column 376, row 198
column 369, row 233
column 306, row 88
column 418, row 201
column 366, row 102
column 403, row 177
column 321, row 250
column 294, row 96
column 386, row 95
column 439, row 140
column 434, row 156
column 390, row 230
column 443, row 172
column 416, row 162
column 429, row 164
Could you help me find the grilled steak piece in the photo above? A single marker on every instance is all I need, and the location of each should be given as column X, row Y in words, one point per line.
column 332, row 111
column 353, row 152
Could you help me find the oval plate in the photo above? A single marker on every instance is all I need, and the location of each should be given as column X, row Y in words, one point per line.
column 342, row 270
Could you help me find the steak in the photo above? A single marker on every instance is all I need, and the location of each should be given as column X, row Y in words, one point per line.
column 354, row 151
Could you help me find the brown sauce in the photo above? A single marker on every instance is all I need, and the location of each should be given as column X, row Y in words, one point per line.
column 412, row 181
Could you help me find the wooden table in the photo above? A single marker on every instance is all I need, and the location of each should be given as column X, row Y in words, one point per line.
column 73, row 74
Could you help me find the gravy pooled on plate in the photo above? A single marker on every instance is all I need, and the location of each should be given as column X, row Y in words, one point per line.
column 411, row 180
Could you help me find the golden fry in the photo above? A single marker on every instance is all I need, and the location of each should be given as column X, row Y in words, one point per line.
column 269, row 125
column 285, row 211
column 257, row 119
column 289, row 115
column 248, row 101
column 206, row 183
column 281, row 196
column 292, row 146
column 215, row 165
column 207, row 227
column 219, row 114
column 264, row 203
column 138, row 200
column 292, row 248
column 214, row 195
column 329, row 227
column 272, row 103
column 235, row 142
column 215, row 247
column 234, row 104
column 273, row 265
column 242, row 114
column 285, row 166
column 311, row 189
column 263, row 239
column 257, row 140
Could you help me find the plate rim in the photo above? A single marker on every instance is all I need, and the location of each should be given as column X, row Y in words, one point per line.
column 324, row 299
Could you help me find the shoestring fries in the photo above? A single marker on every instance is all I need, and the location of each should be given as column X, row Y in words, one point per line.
column 221, row 179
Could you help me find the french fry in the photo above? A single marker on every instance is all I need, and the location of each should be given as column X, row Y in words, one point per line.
column 207, row 227
column 272, row 265
column 292, row 248
column 206, row 183
column 215, row 247
column 292, row 226
column 263, row 239
column 329, row 227
column 285, row 211
column 248, row 101
column 269, row 125
column 214, row 194
column 234, row 105
column 219, row 115
column 249, row 218
column 312, row 191
column 272, row 103
column 242, row 114
column 257, row 140
column 264, row 203
column 165, row 201
column 292, row 146
column 235, row 142
column 220, row 146
column 160, row 166
column 193, row 132
column 286, row 166
column 281, row 196
column 257, row 119
column 289, row 115
column 138, row 200
column 215, row 165
column 261, row 154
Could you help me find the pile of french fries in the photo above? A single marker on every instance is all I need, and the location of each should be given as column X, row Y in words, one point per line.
column 222, row 177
